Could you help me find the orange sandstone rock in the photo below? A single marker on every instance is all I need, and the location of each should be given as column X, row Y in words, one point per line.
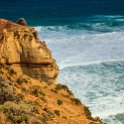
column 20, row 47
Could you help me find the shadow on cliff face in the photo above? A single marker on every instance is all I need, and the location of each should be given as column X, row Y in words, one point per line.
column 38, row 72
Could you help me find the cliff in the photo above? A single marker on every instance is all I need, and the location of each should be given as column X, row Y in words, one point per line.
column 29, row 92
column 20, row 47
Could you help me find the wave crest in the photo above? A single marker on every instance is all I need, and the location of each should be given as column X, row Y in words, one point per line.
column 99, row 85
column 93, row 23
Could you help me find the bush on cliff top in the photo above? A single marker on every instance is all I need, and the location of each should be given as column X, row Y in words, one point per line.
column 7, row 91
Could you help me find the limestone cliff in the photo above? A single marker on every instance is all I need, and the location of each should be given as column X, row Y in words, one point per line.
column 20, row 47
column 23, row 98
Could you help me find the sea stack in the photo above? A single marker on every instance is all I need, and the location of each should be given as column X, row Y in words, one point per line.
column 29, row 91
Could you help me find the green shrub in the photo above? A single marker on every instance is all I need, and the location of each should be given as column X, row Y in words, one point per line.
column 3, row 65
column 88, row 113
column 54, row 90
column 15, row 112
column 36, row 109
column 11, row 71
column 76, row 101
column 48, row 111
column 59, row 102
column 64, row 87
column 47, row 116
column 57, row 112
column 25, row 90
column 7, row 91
column 20, row 119
column 20, row 95
column 44, row 99
column 38, row 92
column 61, row 86
column 1, row 74
column 66, row 96
column 64, row 117
column 21, row 80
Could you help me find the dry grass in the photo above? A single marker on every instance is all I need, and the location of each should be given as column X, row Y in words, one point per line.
column 25, row 100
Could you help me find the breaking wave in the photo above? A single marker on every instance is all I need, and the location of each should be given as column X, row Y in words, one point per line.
column 90, row 55
column 100, row 86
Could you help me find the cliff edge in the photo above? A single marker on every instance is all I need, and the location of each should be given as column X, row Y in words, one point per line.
column 29, row 92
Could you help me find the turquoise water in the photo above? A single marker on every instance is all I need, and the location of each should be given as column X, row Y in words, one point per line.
column 58, row 12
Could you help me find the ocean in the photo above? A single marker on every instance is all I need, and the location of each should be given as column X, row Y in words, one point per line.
column 86, row 38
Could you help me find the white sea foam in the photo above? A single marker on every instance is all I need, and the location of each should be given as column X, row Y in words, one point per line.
column 70, row 48
column 91, row 64
column 100, row 86
column 109, row 16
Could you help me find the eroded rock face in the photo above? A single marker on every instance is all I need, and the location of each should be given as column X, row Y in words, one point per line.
column 20, row 47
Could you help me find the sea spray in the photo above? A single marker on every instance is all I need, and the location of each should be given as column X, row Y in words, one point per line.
column 91, row 61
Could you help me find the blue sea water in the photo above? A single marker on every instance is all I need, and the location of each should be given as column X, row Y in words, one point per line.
column 87, row 40
column 58, row 12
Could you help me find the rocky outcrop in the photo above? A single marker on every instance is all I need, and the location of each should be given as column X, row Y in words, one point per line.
column 21, row 21
column 23, row 98
column 20, row 47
